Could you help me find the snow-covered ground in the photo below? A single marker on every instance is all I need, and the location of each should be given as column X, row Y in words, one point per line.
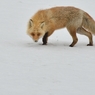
column 28, row 68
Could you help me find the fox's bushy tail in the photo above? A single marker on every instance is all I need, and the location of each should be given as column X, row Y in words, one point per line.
column 88, row 23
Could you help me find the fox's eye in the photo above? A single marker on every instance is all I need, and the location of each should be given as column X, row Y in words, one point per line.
column 39, row 34
column 32, row 34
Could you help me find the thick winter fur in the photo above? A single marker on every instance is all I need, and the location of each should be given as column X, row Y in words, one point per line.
column 45, row 22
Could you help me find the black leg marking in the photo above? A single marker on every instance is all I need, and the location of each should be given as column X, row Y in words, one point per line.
column 45, row 38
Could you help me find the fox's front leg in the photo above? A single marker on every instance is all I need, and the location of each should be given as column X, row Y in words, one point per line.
column 45, row 38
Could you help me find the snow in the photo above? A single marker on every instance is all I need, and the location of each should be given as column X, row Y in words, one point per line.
column 28, row 68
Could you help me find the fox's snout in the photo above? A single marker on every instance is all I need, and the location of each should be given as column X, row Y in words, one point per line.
column 36, row 36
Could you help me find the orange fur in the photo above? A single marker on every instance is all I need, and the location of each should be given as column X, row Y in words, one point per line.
column 45, row 22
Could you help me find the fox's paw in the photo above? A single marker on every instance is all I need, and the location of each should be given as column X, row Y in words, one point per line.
column 71, row 45
column 44, row 44
column 90, row 44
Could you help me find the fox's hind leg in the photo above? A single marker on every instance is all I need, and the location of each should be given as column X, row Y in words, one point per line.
column 72, row 32
column 83, row 31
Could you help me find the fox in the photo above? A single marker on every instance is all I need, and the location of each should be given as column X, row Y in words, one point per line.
column 45, row 21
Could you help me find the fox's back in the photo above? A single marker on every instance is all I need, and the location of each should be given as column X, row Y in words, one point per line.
column 62, row 16
column 65, row 12
column 57, row 12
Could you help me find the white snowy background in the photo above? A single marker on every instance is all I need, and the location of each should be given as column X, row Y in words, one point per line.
column 28, row 68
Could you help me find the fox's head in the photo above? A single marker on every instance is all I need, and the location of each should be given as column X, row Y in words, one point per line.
column 36, row 30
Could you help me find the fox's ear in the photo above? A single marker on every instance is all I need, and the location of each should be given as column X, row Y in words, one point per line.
column 42, row 24
column 30, row 22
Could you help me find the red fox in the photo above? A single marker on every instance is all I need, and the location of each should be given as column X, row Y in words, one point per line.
column 45, row 22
